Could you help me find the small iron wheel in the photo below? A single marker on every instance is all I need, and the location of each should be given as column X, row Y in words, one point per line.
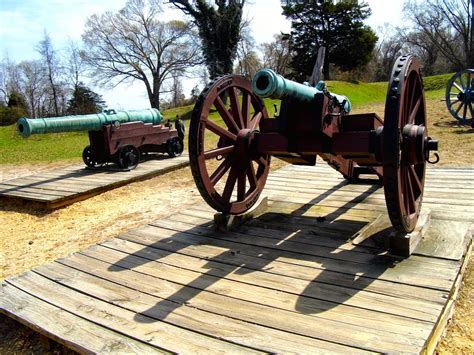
column 89, row 158
column 405, row 144
column 228, row 171
column 128, row 157
column 174, row 147
column 460, row 95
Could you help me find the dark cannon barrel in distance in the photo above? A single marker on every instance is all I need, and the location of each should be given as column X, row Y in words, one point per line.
column 92, row 122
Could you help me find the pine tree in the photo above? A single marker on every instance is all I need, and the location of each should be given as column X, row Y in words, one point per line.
column 84, row 101
column 338, row 26
column 219, row 29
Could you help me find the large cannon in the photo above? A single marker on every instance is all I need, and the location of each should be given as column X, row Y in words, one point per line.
column 114, row 136
column 230, row 161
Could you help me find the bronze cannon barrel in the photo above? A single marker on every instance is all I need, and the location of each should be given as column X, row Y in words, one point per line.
column 92, row 122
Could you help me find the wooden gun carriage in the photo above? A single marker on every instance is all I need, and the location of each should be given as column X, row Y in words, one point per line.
column 115, row 136
column 230, row 161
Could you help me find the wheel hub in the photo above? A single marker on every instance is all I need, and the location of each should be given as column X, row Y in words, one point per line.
column 245, row 137
column 416, row 145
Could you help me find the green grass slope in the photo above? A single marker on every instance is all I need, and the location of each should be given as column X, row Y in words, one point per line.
column 69, row 146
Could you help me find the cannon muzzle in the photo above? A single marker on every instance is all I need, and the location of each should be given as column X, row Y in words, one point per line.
column 267, row 83
column 93, row 122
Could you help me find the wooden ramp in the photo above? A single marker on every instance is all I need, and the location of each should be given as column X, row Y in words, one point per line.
column 287, row 281
column 60, row 187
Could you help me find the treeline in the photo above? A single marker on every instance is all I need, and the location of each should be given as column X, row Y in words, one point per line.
column 137, row 45
column 48, row 86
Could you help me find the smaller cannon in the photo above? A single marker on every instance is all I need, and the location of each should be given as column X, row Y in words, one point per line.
column 460, row 96
column 115, row 136
column 230, row 157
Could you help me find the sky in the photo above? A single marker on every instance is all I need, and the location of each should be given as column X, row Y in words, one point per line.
column 23, row 22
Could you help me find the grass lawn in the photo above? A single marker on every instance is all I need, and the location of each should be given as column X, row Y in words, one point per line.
column 456, row 142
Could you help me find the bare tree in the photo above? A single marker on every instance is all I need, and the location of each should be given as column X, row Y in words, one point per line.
column 134, row 45
column 51, row 63
column 277, row 55
column 9, row 79
column 33, row 81
column 74, row 63
column 177, row 95
column 248, row 62
column 448, row 25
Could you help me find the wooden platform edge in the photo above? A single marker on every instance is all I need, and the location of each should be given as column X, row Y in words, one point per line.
column 90, row 193
column 447, row 313
column 68, row 200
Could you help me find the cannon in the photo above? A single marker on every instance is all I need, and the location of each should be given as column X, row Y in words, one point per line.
column 230, row 156
column 115, row 136
column 460, row 96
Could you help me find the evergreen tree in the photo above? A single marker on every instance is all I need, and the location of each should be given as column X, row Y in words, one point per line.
column 338, row 26
column 84, row 101
column 219, row 30
column 15, row 108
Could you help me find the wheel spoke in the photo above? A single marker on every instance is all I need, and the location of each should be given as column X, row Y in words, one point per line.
column 255, row 121
column 415, row 179
column 218, row 151
column 409, row 194
column 252, row 176
column 241, row 185
column 220, row 171
column 234, row 104
column 458, row 87
column 409, row 107
column 465, row 112
column 463, row 84
column 246, row 104
column 220, row 131
column 230, row 183
column 413, row 113
column 225, row 114
column 472, row 111
column 261, row 161
column 459, row 108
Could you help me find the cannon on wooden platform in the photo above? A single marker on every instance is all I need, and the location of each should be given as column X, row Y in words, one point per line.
column 460, row 96
column 230, row 158
column 114, row 136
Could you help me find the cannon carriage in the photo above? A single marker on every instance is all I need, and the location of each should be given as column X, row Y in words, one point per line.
column 119, row 137
column 230, row 170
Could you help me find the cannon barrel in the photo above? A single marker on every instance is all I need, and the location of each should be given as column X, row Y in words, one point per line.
column 92, row 122
column 267, row 83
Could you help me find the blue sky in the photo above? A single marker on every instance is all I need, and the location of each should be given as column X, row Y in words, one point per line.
column 23, row 22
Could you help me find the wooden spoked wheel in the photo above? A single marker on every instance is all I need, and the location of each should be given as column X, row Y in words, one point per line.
column 228, row 171
column 460, row 95
column 404, row 144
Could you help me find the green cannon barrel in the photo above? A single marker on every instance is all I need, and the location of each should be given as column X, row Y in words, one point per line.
column 93, row 122
column 267, row 83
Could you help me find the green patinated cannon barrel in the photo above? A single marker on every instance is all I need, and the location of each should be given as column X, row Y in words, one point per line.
column 93, row 122
column 267, row 83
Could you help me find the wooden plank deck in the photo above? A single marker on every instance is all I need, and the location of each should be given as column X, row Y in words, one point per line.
column 286, row 281
column 60, row 187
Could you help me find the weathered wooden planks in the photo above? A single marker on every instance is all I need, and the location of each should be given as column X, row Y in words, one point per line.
column 285, row 282
column 64, row 186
